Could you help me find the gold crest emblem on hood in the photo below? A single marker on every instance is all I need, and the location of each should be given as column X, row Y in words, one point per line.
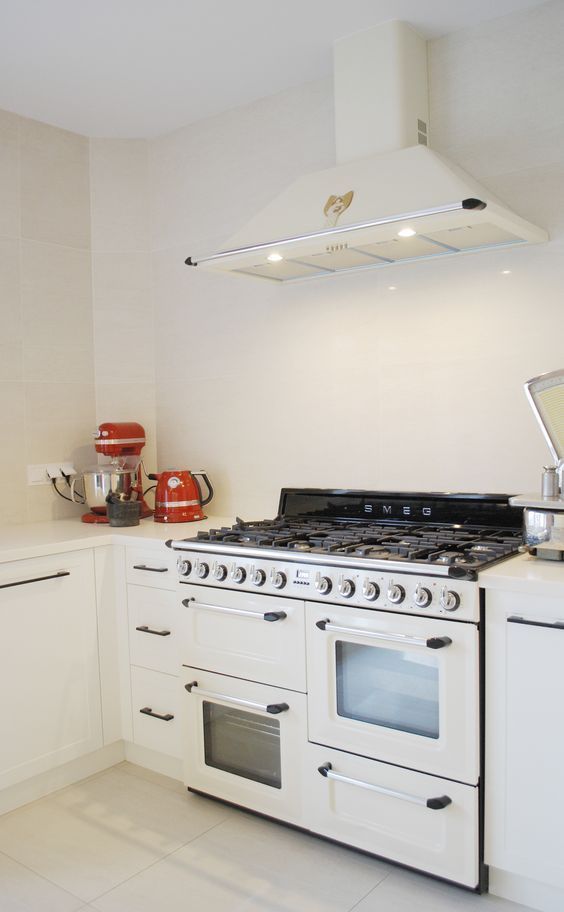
column 335, row 206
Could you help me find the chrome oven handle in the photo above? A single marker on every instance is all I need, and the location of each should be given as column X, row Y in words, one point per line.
column 430, row 642
column 243, row 612
column 435, row 804
column 272, row 708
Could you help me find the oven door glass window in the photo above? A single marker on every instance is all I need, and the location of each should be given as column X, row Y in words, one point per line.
column 242, row 743
column 388, row 687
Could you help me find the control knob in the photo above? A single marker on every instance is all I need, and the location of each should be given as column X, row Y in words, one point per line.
column 202, row 569
column 422, row 596
column 219, row 572
column 238, row 574
column 396, row 593
column 346, row 587
column 370, row 590
column 257, row 577
column 323, row 584
column 449, row 600
column 277, row 578
column 183, row 566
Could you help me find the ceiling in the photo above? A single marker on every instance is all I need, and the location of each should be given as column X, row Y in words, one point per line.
column 133, row 68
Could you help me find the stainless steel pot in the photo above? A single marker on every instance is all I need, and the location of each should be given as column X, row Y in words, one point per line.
column 98, row 482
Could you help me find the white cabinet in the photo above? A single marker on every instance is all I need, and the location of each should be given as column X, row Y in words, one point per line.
column 525, row 736
column 50, row 710
column 154, row 622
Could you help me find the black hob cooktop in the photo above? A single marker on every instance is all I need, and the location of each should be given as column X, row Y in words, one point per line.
column 465, row 531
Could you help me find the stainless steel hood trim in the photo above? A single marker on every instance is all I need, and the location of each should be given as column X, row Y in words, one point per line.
column 468, row 204
column 332, row 560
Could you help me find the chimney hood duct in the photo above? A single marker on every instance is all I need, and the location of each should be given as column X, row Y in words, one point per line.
column 390, row 199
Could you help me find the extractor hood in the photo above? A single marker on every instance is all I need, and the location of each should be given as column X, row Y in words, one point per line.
column 390, row 199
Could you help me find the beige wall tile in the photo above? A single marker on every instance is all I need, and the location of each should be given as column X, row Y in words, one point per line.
column 10, row 308
column 12, row 452
column 56, row 295
column 58, row 364
column 120, row 210
column 11, row 361
column 42, row 503
column 55, row 185
column 9, row 175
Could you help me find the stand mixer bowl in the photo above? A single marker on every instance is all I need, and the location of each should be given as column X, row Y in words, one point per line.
column 100, row 481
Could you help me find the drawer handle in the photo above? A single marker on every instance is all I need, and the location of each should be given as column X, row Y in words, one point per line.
column 147, row 711
column 529, row 622
column 435, row 804
column 36, row 579
column 150, row 569
column 159, row 633
column 243, row 612
column 430, row 643
column 273, row 708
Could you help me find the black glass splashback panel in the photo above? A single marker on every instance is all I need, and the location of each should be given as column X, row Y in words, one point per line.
column 400, row 507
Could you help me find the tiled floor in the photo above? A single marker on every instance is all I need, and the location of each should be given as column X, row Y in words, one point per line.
column 128, row 840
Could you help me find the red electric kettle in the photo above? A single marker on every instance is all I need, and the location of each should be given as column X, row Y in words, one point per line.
column 178, row 497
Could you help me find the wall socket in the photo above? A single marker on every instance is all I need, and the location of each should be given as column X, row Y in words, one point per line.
column 46, row 471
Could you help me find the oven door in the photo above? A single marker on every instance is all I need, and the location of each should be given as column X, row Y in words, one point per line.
column 253, row 636
column 395, row 688
column 241, row 741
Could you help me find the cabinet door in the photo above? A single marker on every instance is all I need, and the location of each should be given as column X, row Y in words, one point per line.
column 525, row 747
column 49, row 676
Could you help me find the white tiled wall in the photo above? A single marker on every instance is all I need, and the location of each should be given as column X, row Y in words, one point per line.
column 123, row 304
column 341, row 382
column 46, row 340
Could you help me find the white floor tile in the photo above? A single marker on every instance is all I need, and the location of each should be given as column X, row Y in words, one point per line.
column 404, row 891
column 149, row 776
column 23, row 891
column 250, row 865
column 91, row 836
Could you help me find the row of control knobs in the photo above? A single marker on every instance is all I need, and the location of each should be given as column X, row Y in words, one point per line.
column 422, row 597
column 219, row 572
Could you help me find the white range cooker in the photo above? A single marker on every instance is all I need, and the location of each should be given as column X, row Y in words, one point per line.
column 333, row 668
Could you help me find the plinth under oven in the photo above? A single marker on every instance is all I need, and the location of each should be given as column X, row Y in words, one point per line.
column 333, row 668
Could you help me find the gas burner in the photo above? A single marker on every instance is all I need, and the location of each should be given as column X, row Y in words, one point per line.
column 479, row 535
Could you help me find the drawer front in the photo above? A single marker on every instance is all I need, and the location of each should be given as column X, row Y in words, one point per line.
column 154, row 620
column 257, row 637
column 154, row 700
column 151, row 567
column 382, row 809
column 241, row 741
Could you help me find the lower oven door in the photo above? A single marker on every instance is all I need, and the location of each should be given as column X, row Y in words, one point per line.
column 396, row 688
column 241, row 741
column 418, row 820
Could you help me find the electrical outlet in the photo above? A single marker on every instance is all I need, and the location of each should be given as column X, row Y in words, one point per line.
column 46, row 471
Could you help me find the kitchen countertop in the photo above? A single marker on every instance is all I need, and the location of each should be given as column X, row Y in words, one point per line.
column 24, row 540
column 521, row 573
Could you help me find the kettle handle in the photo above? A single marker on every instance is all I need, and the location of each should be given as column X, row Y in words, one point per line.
column 208, row 485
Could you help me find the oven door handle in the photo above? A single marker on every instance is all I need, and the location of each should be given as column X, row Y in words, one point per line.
column 435, row 804
column 429, row 642
column 272, row 708
column 243, row 612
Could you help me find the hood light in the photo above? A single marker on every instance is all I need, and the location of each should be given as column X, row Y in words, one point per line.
column 406, row 232
column 274, row 257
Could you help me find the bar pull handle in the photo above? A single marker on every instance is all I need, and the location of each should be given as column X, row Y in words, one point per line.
column 160, row 633
column 242, row 612
column 273, row 709
column 150, row 569
column 434, row 804
column 36, row 579
column 147, row 711
column 533, row 622
column 401, row 638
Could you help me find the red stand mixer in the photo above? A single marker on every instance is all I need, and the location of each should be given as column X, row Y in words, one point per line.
column 122, row 476
column 178, row 497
